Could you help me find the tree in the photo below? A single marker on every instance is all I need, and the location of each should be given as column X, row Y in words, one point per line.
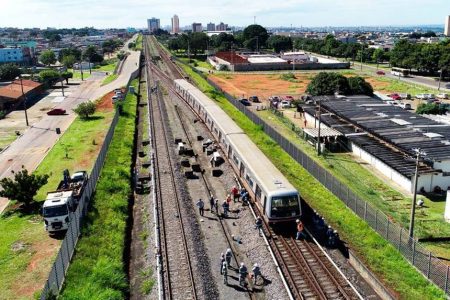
column 68, row 61
column 9, row 71
column 49, row 77
column 279, row 43
column 358, row 86
column 23, row 188
column 378, row 56
column 223, row 41
column 328, row 83
column 255, row 37
column 432, row 108
column 47, row 57
column 66, row 75
column 91, row 55
column 69, row 51
column 85, row 109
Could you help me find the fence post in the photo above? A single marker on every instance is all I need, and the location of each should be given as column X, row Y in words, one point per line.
column 348, row 192
column 56, row 275
column 429, row 265
column 413, row 252
column 376, row 220
column 365, row 210
column 387, row 230
column 400, row 241
column 446, row 279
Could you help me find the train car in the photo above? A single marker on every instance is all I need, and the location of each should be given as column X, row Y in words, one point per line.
column 274, row 195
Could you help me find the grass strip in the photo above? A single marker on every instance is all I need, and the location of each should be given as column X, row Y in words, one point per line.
column 380, row 256
column 110, row 78
column 139, row 45
column 97, row 270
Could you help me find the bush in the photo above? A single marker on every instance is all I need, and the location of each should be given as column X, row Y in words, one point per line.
column 66, row 75
column 85, row 109
column 358, row 86
column 288, row 77
column 49, row 77
column 2, row 114
column 432, row 109
column 328, row 83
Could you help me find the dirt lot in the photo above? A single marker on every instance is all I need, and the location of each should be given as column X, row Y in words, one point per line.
column 266, row 85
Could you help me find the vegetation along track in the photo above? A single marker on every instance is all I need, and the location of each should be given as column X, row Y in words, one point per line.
column 178, row 276
column 306, row 268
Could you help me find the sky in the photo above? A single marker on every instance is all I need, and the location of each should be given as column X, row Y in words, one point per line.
column 269, row 13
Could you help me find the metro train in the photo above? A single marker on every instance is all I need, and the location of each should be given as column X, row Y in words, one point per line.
column 275, row 196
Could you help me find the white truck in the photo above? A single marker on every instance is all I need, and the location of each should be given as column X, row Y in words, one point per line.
column 56, row 210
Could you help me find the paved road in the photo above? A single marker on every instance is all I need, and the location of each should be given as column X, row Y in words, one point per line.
column 30, row 149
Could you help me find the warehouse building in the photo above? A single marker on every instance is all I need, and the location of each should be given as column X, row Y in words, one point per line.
column 384, row 136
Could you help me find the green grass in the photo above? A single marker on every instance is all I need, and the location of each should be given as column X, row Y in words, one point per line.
column 197, row 63
column 110, row 78
column 139, row 44
column 380, row 256
column 29, row 230
column 7, row 138
column 77, row 74
column 108, row 65
column 97, row 270
column 400, row 86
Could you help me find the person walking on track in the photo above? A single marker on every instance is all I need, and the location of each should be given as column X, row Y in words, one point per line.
column 228, row 256
column 300, row 230
column 256, row 272
column 258, row 225
column 235, row 193
column 222, row 261
column 242, row 274
column 201, row 206
column 211, row 203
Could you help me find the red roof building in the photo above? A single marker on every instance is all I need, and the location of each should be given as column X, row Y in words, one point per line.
column 11, row 95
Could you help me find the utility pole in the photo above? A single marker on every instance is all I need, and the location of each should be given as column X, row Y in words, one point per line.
column 440, row 78
column 62, row 80
column 24, row 101
column 413, row 204
column 318, row 133
column 362, row 54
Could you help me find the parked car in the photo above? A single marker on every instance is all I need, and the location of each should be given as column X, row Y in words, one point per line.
column 395, row 96
column 442, row 96
column 379, row 72
column 56, row 112
column 424, row 96
column 254, row 99
column 245, row 102
column 274, row 98
column 285, row 104
column 289, row 98
column 391, row 102
column 404, row 105
column 405, row 96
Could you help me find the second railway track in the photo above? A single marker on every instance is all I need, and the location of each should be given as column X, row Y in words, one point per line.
column 306, row 268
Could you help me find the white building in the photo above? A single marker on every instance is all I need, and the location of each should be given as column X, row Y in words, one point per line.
column 153, row 25
column 295, row 56
column 175, row 24
column 447, row 26
column 11, row 55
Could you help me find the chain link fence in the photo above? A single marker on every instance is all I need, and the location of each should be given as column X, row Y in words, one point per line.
column 430, row 266
column 58, row 271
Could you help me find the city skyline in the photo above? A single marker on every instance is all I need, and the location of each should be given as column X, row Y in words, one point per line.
column 306, row 13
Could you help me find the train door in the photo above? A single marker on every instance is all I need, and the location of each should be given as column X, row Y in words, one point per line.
column 241, row 170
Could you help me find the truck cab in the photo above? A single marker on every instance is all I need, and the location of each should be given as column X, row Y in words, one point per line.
column 56, row 210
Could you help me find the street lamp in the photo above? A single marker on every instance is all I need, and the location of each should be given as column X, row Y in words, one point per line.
column 62, row 79
column 413, row 204
column 440, row 78
column 24, row 99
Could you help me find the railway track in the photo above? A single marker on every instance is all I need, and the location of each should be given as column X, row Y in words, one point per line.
column 307, row 270
column 178, row 275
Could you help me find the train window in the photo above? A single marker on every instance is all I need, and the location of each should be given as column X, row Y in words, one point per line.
column 285, row 206
column 249, row 180
column 258, row 192
column 230, row 151
column 236, row 160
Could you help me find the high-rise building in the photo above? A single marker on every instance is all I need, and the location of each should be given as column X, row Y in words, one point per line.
column 152, row 24
column 197, row 27
column 211, row 27
column 221, row 27
column 447, row 26
column 175, row 24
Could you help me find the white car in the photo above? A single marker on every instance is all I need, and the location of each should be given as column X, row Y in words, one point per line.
column 404, row 105
column 285, row 104
column 442, row 96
